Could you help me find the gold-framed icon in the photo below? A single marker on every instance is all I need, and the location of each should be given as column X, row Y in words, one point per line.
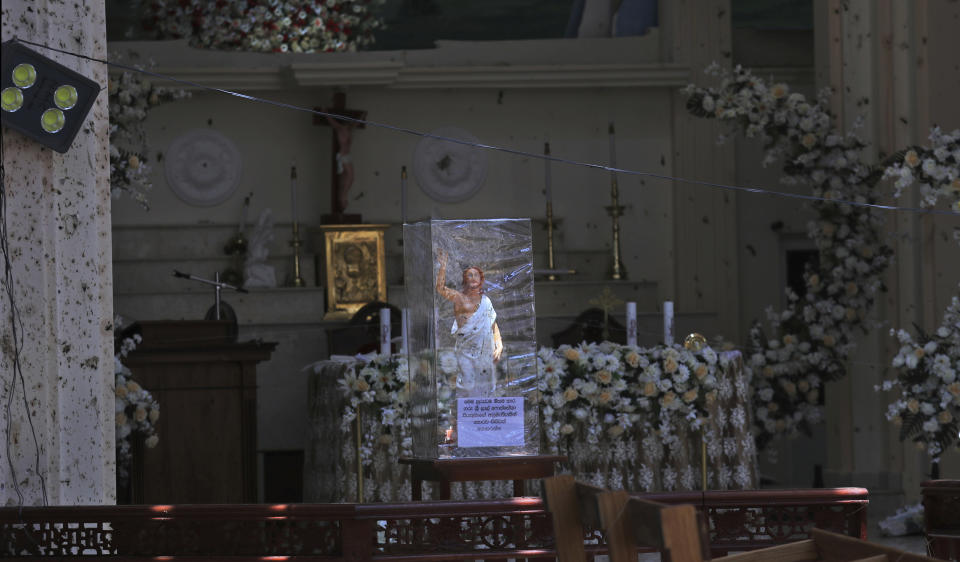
column 356, row 273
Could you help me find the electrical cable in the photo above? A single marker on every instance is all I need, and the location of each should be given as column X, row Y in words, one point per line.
column 515, row 152
column 16, row 344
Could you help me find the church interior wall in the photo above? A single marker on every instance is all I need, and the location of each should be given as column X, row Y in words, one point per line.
column 574, row 121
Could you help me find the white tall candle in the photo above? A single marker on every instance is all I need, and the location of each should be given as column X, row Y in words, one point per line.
column 613, row 147
column 631, row 323
column 668, row 323
column 546, row 174
column 403, row 195
column 385, row 330
column 293, row 191
column 404, row 318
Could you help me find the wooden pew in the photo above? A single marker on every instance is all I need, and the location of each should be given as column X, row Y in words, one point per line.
column 676, row 531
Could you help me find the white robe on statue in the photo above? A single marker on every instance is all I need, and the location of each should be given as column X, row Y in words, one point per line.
column 474, row 351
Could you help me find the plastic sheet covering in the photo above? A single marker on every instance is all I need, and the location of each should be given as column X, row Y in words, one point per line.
column 469, row 398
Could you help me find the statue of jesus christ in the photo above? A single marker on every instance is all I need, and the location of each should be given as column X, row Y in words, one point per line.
column 478, row 343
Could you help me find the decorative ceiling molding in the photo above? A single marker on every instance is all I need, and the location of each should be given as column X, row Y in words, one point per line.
column 376, row 73
column 545, row 76
column 233, row 78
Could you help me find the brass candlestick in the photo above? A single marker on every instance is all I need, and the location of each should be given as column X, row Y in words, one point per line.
column 550, row 261
column 296, row 243
column 617, row 271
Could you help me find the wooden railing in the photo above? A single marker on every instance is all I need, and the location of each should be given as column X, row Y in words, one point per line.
column 430, row 530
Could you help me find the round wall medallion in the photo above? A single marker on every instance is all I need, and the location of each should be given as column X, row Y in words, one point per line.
column 203, row 167
column 449, row 172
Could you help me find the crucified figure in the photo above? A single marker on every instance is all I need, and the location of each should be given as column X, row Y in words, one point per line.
column 344, row 131
column 478, row 344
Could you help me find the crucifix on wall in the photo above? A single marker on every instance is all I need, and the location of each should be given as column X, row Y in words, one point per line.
column 341, row 163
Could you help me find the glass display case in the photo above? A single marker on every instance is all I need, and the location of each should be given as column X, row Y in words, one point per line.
column 472, row 338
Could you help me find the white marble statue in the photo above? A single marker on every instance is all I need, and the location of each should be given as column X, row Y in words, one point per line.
column 256, row 271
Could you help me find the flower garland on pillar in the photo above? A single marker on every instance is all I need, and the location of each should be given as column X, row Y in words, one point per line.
column 927, row 368
column 299, row 26
column 811, row 338
column 130, row 97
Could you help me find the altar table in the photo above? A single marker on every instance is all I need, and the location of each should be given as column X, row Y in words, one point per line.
column 445, row 471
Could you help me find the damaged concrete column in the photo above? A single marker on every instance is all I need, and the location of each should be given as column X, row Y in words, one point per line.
column 60, row 430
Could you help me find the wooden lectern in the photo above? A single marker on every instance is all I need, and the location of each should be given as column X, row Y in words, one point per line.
column 206, row 385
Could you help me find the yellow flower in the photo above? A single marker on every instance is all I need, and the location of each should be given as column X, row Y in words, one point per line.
column 711, row 397
column 632, row 358
column 668, row 399
column 670, row 365
column 954, row 389
column 919, row 352
column 813, row 280
column 384, row 439
column 768, row 372
column 789, row 387
column 604, row 376
column 121, row 418
column 789, row 339
column 911, row 158
column 604, row 397
column 140, row 414
column 701, row 371
column 362, row 385
column 851, row 314
column 133, row 161
column 121, row 391
column 154, row 415
column 567, row 429
column 897, row 421
column 649, row 389
column 772, row 406
column 809, row 140
column 779, row 90
column 615, row 430
column 913, row 405
column 570, row 394
column 690, row 395
column 571, row 354
column 151, row 441
column 132, row 386
column 829, row 340
column 944, row 417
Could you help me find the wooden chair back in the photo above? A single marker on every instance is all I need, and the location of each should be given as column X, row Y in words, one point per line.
column 676, row 531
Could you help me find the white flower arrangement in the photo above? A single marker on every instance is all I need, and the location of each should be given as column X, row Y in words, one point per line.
column 598, row 401
column 928, row 406
column 934, row 169
column 608, row 392
column 130, row 97
column 379, row 386
column 299, row 26
column 812, row 337
column 136, row 411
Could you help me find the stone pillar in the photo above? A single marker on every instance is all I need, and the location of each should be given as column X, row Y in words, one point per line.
column 61, row 427
column 873, row 54
column 705, row 218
